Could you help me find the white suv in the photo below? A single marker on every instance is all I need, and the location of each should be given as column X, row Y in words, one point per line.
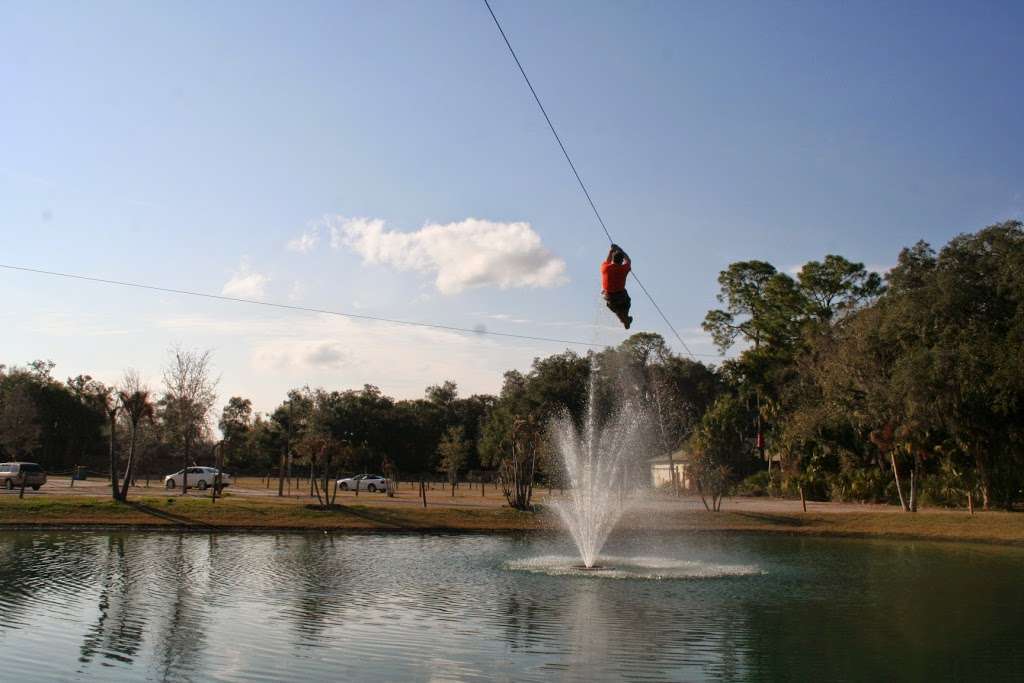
column 198, row 477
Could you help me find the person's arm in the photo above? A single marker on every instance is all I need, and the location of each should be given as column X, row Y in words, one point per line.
column 625, row 257
column 611, row 253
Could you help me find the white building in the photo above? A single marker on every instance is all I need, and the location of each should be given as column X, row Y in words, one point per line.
column 661, row 471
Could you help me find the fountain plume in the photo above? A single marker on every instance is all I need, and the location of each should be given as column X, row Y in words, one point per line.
column 595, row 462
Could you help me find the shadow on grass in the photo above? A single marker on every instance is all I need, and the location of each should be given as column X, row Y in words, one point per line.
column 364, row 514
column 168, row 516
column 773, row 520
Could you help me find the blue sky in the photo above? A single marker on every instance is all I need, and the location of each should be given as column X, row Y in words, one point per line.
column 189, row 144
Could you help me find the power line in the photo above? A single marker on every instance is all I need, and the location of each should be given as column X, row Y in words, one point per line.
column 305, row 309
column 291, row 307
column 579, row 180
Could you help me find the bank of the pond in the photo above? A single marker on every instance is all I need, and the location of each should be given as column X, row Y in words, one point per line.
column 242, row 514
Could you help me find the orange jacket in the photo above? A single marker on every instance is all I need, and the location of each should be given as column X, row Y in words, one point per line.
column 613, row 276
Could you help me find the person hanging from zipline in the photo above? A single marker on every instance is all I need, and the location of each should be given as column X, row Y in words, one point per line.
column 613, row 284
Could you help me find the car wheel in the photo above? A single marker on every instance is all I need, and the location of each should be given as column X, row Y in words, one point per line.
column 36, row 487
column 344, row 486
column 170, row 484
column 202, row 484
column 8, row 484
column 372, row 488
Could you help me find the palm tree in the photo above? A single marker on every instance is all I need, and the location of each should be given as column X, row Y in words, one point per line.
column 136, row 403
column 107, row 399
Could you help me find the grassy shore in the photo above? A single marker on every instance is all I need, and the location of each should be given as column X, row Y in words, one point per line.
column 239, row 513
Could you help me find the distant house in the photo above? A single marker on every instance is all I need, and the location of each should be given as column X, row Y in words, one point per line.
column 661, row 471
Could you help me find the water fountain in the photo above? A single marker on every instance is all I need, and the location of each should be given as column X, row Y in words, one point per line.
column 595, row 462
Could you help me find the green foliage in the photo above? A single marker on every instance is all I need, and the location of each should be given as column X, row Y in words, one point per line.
column 452, row 452
column 860, row 388
column 874, row 393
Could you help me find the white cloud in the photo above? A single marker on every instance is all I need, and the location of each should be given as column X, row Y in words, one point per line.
column 471, row 253
column 326, row 350
column 297, row 291
column 292, row 354
column 305, row 242
column 246, row 283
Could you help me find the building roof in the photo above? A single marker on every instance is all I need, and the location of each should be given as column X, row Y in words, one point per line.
column 682, row 455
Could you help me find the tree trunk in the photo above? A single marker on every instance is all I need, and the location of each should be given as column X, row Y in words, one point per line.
column 700, row 490
column 803, row 500
column 970, row 501
column 913, row 486
column 327, row 474
column 218, row 479
column 184, row 468
column 672, row 474
column 113, row 456
column 131, row 463
column 280, row 474
column 984, row 482
column 896, row 476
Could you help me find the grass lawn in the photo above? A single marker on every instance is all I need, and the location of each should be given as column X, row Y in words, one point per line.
column 248, row 513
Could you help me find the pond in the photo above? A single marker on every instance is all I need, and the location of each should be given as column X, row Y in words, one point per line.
column 170, row 606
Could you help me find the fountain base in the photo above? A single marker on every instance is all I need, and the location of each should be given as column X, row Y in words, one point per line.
column 585, row 568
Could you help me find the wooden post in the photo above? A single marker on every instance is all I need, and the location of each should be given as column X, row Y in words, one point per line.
column 423, row 493
column 218, row 479
column 280, row 474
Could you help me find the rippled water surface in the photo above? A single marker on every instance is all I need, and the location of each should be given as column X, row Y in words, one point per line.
column 167, row 606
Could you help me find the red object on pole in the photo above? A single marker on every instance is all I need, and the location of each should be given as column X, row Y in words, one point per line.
column 760, row 440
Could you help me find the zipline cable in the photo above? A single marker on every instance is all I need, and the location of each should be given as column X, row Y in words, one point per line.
column 579, row 180
column 304, row 309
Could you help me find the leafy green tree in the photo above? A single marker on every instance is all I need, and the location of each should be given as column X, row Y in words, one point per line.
column 236, row 423
column 452, row 453
column 836, row 286
column 761, row 306
column 19, row 427
column 722, row 451
column 962, row 325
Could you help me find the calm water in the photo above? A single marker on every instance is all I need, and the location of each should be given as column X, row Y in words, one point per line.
column 135, row 606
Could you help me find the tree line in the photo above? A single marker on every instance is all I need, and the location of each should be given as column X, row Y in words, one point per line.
column 844, row 385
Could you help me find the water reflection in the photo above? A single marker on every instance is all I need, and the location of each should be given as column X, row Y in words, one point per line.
column 186, row 607
column 117, row 632
column 180, row 641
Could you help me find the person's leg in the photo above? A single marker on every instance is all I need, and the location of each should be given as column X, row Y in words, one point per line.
column 618, row 303
column 626, row 318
